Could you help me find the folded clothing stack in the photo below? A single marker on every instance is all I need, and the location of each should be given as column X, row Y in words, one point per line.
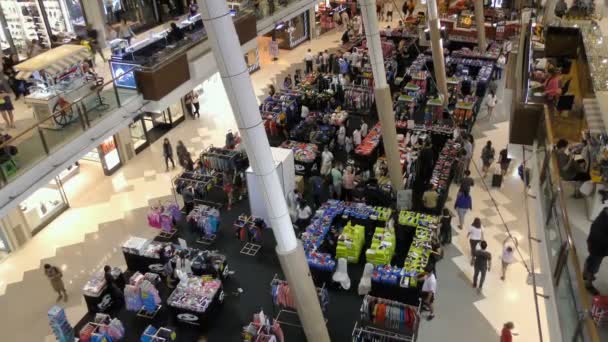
column 382, row 248
column 196, row 295
column 304, row 153
column 371, row 141
column 350, row 243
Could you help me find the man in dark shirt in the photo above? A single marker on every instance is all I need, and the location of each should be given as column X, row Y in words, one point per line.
column 482, row 260
column 176, row 34
column 467, row 182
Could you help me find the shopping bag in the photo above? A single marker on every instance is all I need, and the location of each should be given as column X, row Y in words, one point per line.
column 587, row 188
column 496, row 180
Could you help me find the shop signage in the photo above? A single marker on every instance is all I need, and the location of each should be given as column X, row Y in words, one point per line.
column 500, row 30
column 188, row 318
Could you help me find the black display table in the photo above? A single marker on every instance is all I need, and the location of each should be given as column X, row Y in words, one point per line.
column 105, row 297
column 404, row 295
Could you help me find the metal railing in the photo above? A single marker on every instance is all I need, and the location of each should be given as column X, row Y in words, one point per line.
column 572, row 300
column 67, row 122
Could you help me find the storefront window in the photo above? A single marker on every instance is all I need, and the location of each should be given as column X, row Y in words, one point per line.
column 138, row 135
column 143, row 14
column 176, row 111
column 110, row 159
column 25, row 23
column 65, row 17
column 292, row 32
column 42, row 206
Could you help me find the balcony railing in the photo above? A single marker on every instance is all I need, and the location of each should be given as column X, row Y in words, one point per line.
column 69, row 120
column 572, row 300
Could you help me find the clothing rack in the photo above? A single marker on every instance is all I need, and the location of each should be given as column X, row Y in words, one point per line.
column 221, row 159
column 358, row 98
column 391, row 318
column 287, row 308
column 371, row 334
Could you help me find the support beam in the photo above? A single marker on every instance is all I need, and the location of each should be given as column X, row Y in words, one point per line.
column 237, row 83
column 549, row 14
column 384, row 101
column 481, row 27
column 437, row 50
column 95, row 17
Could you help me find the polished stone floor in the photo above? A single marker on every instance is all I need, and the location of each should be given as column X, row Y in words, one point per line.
column 106, row 210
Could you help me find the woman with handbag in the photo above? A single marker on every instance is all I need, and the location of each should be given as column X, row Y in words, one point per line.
column 487, row 157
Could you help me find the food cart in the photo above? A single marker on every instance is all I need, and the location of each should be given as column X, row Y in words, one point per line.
column 59, row 79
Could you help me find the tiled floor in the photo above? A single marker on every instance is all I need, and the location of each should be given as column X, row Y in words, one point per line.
column 105, row 210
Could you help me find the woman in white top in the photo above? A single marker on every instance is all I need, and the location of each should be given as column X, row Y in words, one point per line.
column 303, row 213
column 357, row 137
column 491, row 101
column 475, row 235
column 326, row 159
column 196, row 104
column 508, row 254
column 125, row 32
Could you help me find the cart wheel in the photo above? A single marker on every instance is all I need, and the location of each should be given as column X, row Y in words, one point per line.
column 64, row 117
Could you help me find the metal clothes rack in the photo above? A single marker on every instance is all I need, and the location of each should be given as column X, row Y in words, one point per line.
column 286, row 310
column 378, row 335
column 164, row 234
column 374, row 330
column 206, row 181
column 207, row 240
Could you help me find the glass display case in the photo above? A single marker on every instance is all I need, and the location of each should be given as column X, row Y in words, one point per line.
column 139, row 136
column 42, row 206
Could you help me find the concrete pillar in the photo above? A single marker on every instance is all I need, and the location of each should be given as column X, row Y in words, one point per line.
column 384, row 101
column 549, row 14
column 437, row 50
column 312, row 22
column 237, row 83
column 95, row 17
column 124, row 143
column 481, row 27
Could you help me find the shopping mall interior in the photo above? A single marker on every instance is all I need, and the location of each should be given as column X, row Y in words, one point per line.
column 372, row 170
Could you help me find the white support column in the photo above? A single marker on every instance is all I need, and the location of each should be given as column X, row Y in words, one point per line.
column 437, row 50
column 94, row 13
column 549, row 14
column 481, row 27
column 384, row 101
column 312, row 22
column 237, row 83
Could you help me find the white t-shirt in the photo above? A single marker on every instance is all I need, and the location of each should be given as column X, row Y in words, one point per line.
column 389, row 6
column 475, row 233
column 309, row 56
column 491, row 101
column 304, row 214
column 430, row 284
column 357, row 137
column 508, row 257
column 327, row 157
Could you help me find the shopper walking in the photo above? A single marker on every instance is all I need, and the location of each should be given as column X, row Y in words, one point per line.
column 168, row 154
column 93, row 36
column 326, row 160
column 429, row 290
column 308, row 59
column 348, row 184
column 389, row 7
column 500, row 65
column 482, row 262
column 316, row 186
column 304, row 213
column 325, row 61
column 125, row 31
column 445, row 230
column 491, row 101
column 487, row 158
column 53, row 273
column 336, row 177
column 287, row 82
column 506, row 334
column 196, row 104
column 228, row 188
column 508, row 254
column 463, row 204
column 467, row 182
column 348, row 145
column 6, row 107
column 468, row 148
column 341, row 135
column 504, row 161
column 364, row 129
column 475, row 236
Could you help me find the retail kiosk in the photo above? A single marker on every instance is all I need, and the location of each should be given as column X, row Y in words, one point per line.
column 59, row 79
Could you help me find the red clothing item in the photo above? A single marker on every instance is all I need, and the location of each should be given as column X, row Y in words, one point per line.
column 552, row 87
column 506, row 335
